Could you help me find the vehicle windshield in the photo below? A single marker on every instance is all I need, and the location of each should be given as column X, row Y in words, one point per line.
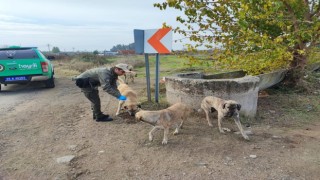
column 8, row 54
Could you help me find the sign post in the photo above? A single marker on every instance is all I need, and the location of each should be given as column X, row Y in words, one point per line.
column 146, row 59
column 156, row 97
column 153, row 41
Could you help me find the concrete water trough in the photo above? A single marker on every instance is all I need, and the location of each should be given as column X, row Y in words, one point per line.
column 191, row 88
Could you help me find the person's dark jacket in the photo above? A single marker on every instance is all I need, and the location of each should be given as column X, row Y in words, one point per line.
column 105, row 77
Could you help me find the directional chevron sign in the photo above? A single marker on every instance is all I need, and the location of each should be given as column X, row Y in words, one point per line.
column 153, row 41
column 158, row 41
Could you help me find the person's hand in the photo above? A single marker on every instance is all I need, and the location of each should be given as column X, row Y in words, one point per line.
column 122, row 98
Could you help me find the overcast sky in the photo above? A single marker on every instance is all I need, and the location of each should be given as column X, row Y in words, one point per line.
column 78, row 25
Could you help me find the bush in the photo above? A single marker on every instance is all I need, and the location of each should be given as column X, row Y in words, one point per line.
column 135, row 61
column 95, row 59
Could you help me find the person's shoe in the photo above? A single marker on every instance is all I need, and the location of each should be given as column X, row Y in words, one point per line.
column 103, row 115
column 104, row 118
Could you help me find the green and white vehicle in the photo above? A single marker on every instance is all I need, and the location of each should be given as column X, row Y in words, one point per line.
column 21, row 65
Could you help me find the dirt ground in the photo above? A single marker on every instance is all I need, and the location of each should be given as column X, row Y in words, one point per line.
column 39, row 126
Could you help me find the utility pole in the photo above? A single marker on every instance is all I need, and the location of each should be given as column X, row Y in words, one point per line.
column 48, row 47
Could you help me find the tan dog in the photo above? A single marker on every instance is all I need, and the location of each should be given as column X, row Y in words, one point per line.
column 131, row 105
column 130, row 76
column 173, row 116
column 225, row 109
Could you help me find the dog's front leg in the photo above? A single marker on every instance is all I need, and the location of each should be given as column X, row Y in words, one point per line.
column 119, row 107
column 165, row 136
column 219, row 124
column 238, row 123
column 181, row 124
column 125, row 78
column 178, row 127
column 155, row 128
column 176, row 131
column 207, row 116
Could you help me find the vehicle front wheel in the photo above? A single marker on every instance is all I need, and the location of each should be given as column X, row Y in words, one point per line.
column 50, row 83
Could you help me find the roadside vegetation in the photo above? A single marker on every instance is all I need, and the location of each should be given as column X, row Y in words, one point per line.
column 169, row 64
column 280, row 104
column 255, row 36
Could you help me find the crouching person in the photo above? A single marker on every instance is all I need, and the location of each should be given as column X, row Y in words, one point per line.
column 106, row 77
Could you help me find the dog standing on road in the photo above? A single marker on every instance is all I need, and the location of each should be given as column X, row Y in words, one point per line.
column 225, row 109
column 131, row 105
column 172, row 116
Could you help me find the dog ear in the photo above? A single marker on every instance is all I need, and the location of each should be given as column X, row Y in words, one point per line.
column 224, row 105
column 238, row 107
column 212, row 109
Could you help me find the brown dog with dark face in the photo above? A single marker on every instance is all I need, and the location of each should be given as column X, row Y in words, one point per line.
column 225, row 109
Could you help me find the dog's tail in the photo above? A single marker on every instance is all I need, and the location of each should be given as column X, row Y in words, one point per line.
column 121, row 81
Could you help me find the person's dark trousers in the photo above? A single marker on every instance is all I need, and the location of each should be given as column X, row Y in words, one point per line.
column 93, row 95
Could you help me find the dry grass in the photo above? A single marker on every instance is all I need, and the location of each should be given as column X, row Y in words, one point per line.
column 291, row 107
column 134, row 60
column 62, row 69
column 79, row 64
column 72, row 67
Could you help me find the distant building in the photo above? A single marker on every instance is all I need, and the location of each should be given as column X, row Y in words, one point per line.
column 109, row 53
column 126, row 52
